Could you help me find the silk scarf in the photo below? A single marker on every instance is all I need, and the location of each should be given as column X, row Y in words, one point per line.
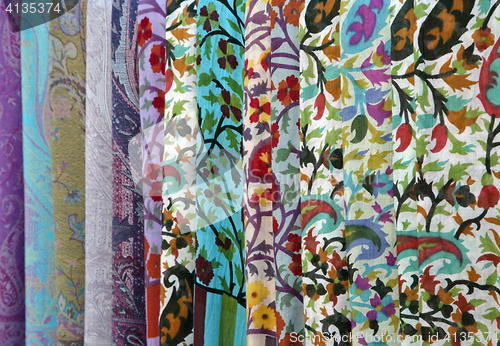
column 40, row 268
column 67, row 102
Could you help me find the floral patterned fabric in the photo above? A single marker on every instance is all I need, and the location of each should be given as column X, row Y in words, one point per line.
column 179, row 172
column 220, row 303
column 151, row 58
column 67, row 101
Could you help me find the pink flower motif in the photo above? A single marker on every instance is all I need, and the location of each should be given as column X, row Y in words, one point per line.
column 383, row 309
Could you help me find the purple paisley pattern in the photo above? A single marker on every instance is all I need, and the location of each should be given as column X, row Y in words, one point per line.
column 11, row 189
column 129, row 319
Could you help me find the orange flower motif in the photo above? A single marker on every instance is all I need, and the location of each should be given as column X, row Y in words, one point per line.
column 483, row 38
column 153, row 266
column 159, row 102
column 157, row 59
column 144, row 31
column 289, row 90
column 292, row 12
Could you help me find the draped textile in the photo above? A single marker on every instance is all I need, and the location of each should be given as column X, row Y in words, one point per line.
column 67, row 101
column 257, row 178
column 151, row 58
column 129, row 319
column 12, row 288
column 179, row 172
column 39, row 241
column 219, row 190
column 329, row 176
column 98, row 176
column 285, row 146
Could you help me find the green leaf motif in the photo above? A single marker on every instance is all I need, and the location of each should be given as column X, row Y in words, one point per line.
column 360, row 125
column 354, row 232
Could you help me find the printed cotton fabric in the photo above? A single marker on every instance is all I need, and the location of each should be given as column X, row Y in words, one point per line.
column 151, row 59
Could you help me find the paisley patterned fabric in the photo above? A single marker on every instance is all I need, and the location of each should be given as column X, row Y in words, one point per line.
column 129, row 319
column 151, row 58
column 98, row 176
column 67, row 101
column 39, row 241
column 12, row 288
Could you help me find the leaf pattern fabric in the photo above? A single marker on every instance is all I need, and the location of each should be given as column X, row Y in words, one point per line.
column 179, row 177
column 220, row 238
column 152, row 61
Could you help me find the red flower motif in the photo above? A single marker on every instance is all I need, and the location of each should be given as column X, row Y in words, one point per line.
column 155, row 192
column 289, row 90
column 261, row 110
column 213, row 16
column 204, row 270
column 144, row 31
column 488, row 197
column 296, row 266
column 157, row 59
column 227, row 108
column 260, row 164
column 230, row 59
column 483, row 38
column 294, row 242
column 276, row 135
column 225, row 245
column 159, row 102
column 153, row 266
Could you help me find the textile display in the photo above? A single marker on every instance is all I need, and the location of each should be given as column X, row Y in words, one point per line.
column 282, row 172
